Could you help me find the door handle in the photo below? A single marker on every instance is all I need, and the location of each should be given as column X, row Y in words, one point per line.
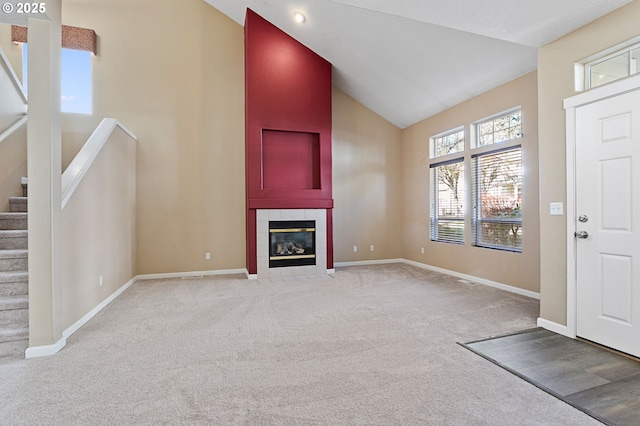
column 583, row 235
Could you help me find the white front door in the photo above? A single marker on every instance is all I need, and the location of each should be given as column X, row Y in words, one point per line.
column 608, row 221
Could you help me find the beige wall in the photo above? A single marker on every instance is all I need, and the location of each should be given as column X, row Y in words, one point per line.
column 173, row 72
column 515, row 269
column 99, row 230
column 555, row 83
column 367, row 182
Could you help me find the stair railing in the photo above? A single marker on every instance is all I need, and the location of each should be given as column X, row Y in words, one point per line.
column 81, row 163
column 8, row 74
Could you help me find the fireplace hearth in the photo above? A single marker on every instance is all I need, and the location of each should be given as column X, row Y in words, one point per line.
column 292, row 243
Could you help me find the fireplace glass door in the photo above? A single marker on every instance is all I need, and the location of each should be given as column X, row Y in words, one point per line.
column 292, row 243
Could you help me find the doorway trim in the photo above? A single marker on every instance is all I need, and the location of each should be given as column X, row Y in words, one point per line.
column 610, row 90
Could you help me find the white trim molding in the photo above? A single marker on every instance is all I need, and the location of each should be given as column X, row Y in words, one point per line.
column 48, row 350
column 45, row 350
column 81, row 163
column 13, row 128
column 191, row 274
column 368, row 262
column 489, row 283
column 85, row 319
column 471, row 278
column 555, row 327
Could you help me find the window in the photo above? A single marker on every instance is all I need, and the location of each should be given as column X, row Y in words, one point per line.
column 496, row 183
column 447, row 143
column 500, row 129
column 487, row 176
column 497, row 199
column 448, row 193
column 76, row 79
column 447, row 202
column 613, row 66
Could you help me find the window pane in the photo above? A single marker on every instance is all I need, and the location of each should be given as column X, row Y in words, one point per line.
column 447, row 144
column 75, row 76
column 500, row 129
column 610, row 70
column 497, row 196
column 447, row 202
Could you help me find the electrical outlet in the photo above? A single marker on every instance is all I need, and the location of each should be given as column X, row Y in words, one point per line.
column 422, row 250
column 355, row 249
column 100, row 282
column 207, row 256
column 372, row 247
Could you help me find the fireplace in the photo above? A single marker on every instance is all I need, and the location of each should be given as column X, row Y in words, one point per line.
column 292, row 243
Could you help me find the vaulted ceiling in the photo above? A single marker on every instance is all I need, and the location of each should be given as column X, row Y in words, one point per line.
column 410, row 59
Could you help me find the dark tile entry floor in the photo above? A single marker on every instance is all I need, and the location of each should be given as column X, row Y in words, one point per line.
column 601, row 383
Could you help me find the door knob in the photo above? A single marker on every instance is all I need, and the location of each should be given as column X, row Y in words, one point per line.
column 583, row 235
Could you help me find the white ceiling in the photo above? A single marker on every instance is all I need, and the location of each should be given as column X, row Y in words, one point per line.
column 410, row 59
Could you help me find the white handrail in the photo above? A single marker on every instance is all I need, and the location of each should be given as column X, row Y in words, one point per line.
column 15, row 126
column 12, row 74
column 13, row 78
column 79, row 166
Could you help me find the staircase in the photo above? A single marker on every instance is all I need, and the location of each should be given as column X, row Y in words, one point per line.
column 14, row 280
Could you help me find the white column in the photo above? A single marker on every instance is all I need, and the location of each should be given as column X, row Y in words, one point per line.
column 44, row 169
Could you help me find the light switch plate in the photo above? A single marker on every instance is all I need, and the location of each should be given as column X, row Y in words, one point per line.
column 556, row 209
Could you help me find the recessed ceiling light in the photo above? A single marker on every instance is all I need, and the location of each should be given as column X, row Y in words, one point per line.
column 299, row 17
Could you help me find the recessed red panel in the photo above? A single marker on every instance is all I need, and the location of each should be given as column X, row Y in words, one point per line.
column 290, row 160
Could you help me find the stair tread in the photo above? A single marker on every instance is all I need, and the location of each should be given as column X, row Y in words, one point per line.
column 13, row 253
column 13, row 215
column 13, row 232
column 14, row 331
column 9, row 335
column 14, row 302
column 18, row 198
column 8, row 275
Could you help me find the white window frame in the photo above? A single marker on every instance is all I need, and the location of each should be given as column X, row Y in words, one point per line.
column 583, row 67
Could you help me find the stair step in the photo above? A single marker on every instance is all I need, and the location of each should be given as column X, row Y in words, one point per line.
column 14, row 260
column 14, row 284
column 13, row 239
column 14, row 348
column 18, row 204
column 14, row 334
column 14, row 312
column 13, row 221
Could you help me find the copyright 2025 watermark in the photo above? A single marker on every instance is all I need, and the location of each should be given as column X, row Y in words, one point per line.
column 24, row 8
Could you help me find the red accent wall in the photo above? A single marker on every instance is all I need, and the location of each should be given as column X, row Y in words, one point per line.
column 288, row 127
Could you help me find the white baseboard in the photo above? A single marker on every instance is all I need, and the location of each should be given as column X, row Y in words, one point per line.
column 367, row 262
column 45, row 350
column 85, row 319
column 331, row 271
column 191, row 274
column 48, row 350
column 478, row 280
column 555, row 327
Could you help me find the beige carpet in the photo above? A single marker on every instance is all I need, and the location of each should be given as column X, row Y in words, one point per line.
column 372, row 345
